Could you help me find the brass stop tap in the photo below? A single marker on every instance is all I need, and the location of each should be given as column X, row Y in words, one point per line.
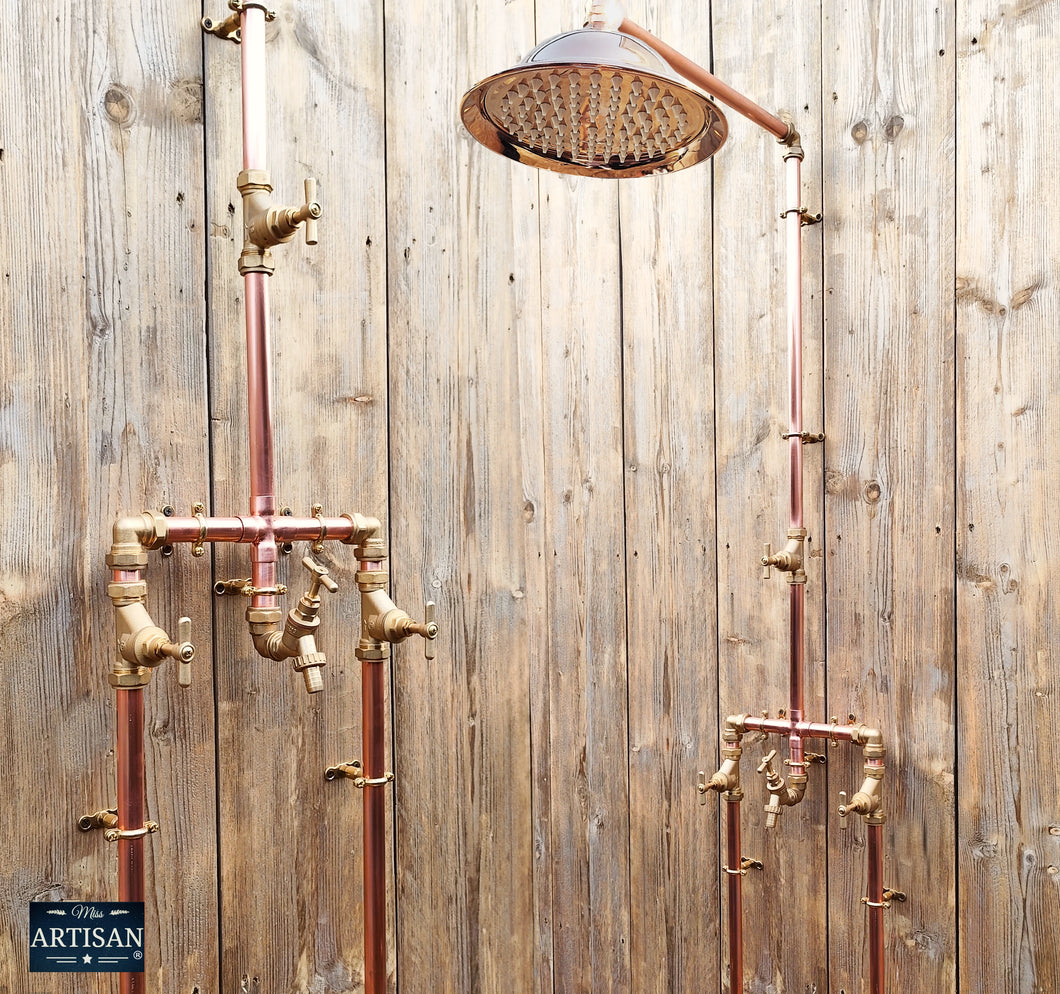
column 868, row 800
column 266, row 225
column 790, row 559
column 727, row 779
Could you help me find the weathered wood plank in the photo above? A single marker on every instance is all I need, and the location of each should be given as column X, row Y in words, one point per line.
column 469, row 513
column 298, row 925
column 888, row 80
column 588, row 652
column 668, row 353
column 102, row 410
column 1008, row 542
column 751, row 355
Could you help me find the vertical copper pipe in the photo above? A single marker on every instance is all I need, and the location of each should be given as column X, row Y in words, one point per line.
column 131, row 808
column 797, row 628
column 733, row 859
column 252, row 49
column 259, row 376
column 875, row 895
column 793, row 230
column 372, row 737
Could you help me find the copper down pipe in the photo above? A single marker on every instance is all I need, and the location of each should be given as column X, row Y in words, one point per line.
column 131, row 809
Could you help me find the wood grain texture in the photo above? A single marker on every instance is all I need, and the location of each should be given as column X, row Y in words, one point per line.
column 564, row 397
column 1008, row 542
column 751, row 356
column 469, row 512
column 102, row 309
column 671, row 575
column 291, row 878
column 888, row 81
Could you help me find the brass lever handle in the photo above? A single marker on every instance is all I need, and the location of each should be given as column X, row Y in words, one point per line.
column 429, row 650
column 844, row 813
column 185, row 658
column 313, row 210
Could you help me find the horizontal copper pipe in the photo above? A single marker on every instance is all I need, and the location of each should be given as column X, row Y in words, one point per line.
column 694, row 73
column 252, row 529
column 804, row 729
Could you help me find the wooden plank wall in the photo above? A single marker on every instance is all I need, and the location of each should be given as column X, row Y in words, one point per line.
column 565, row 398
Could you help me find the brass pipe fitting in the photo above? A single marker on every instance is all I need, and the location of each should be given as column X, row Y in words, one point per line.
column 141, row 644
column 781, row 794
column 868, row 800
column 727, row 779
column 790, row 559
column 266, row 225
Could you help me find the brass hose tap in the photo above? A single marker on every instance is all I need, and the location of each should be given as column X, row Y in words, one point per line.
column 302, row 622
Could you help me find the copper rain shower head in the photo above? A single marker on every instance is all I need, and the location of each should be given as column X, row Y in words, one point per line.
column 594, row 103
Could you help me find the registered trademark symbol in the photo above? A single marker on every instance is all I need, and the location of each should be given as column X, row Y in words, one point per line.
column 137, row 954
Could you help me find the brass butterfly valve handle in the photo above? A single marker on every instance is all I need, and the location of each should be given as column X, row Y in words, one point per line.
column 429, row 649
column 185, row 654
column 312, row 211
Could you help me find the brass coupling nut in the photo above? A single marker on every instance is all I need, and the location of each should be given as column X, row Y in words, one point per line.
column 129, row 678
column 372, row 579
column 372, row 651
column 262, row 620
column 125, row 592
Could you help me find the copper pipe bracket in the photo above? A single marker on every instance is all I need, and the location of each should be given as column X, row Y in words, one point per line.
column 889, row 895
column 198, row 511
column 318, row 545
column 355, row 772
column 241, row 5
column 804, row 215
column 808, row 437
column 107, row 818
column 226, row 30
column 745, row 865
column 249, row 590
column 117, row 834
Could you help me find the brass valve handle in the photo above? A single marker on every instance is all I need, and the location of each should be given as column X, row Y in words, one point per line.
column 766, row 766
column 844, row 811
column 767, row 558
column 320, row 578
column 313, row 211
column 187, row 653
column 429, row 650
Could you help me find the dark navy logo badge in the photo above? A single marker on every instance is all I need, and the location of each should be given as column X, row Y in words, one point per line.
column 86, row 937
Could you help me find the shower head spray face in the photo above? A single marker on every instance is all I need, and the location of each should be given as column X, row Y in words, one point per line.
column 594, row 103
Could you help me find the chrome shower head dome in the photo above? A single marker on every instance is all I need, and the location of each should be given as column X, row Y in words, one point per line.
column 594, row 103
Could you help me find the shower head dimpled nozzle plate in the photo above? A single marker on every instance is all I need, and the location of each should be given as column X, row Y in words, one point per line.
column 594, row 103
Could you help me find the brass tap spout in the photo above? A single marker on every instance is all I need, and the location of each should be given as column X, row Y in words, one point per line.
column 781, row 794
column 297, row 641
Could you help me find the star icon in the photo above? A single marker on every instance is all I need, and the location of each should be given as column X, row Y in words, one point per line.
column 87, row 958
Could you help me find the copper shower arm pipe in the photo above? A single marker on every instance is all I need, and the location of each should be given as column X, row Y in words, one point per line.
column 707, row 81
